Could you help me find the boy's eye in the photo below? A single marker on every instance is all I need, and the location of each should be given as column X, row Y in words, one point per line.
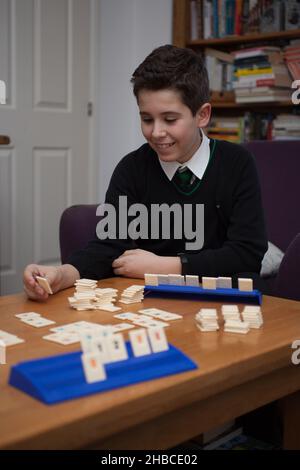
column 145, row 119
column 170, row 120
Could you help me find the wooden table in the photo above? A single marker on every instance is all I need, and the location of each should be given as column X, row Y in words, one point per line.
column 237, row 373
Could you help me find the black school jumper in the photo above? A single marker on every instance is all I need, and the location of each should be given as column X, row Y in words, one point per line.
column 234, row 230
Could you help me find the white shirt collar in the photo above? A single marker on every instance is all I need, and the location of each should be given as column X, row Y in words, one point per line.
column 197, row 164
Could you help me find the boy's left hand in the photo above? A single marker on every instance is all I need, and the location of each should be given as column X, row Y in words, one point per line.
column 135, row 263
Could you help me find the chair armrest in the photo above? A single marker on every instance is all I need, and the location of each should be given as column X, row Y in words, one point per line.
column 287, row 282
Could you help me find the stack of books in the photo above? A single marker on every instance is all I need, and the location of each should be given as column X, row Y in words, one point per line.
column 250, row 126
column 219, row 66
column 292, row 58
column 226, row 128
column 260, row 75
column 286, row 127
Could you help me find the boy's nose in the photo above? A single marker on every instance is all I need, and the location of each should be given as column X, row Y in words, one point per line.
column 158, row 131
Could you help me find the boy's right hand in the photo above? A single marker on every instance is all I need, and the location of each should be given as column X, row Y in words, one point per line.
column 53, row 274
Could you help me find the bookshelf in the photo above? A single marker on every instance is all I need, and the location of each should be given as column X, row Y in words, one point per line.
column 227, row 106
column 181, row 32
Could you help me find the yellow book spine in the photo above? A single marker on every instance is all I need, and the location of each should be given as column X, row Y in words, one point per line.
column 246, row 72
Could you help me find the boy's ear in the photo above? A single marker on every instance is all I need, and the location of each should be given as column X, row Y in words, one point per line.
column 203, row 115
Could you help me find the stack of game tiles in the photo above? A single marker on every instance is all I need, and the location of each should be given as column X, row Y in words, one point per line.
column 82, row 300
column 231, row 312
column 85, row 285
column 207, row 319
column 236, row 326
column 84, row 295
column 252, row 315
column 132, row 294
column 105, row 298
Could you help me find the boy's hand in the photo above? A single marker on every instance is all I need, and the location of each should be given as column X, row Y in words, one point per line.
column 59, row 277
column 34, row 291
column 135, row 263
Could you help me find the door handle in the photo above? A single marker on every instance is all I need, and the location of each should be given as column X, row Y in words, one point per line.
column 4, row 140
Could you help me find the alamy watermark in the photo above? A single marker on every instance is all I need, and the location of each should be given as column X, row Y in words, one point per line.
column 296, row 94
column 187, row 221
column 296, row 354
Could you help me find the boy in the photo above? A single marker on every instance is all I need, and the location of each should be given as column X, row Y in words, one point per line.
column 178, row 165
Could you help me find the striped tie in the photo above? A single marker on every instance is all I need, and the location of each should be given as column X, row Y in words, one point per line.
column 184, row 179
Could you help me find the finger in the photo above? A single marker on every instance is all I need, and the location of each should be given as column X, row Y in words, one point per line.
column 29, row 275
column 51, row 276
column 118, row 272
column 117, row 263
column 35, row 294
column 128, row 252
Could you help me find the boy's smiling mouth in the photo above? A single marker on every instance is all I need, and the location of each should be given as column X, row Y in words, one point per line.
column 164, row 146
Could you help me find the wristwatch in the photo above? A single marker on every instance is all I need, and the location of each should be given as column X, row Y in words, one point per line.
column 184, row 262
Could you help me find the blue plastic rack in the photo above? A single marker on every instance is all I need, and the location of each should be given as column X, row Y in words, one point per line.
column 220, row 295
column 58, row 378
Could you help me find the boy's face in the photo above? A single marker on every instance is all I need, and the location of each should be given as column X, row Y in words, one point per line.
column 169, row 126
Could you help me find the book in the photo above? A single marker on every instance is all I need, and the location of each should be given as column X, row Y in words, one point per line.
column 256, row 51
column 262, row 99
column 272, row 16
column 254, row 71
column 282, row 80
column 215, row 18
column 275, row 69
column 292, row 60
column 193, row 20
column 220, row 55
column 261, row 58
column 238, row 25
column 292, row 14
column 230, row 16
column 196, row 19
column 258, row 91
column 207, row 19
column 254, row 16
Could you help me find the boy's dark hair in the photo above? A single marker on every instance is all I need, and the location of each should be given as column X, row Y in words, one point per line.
column 176, row 68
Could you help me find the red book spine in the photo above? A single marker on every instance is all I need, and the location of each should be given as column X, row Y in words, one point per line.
column 265, row 82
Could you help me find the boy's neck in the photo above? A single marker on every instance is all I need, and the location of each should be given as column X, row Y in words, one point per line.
column 198, row 146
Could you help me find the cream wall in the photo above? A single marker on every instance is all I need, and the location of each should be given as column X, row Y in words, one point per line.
column 127, row 31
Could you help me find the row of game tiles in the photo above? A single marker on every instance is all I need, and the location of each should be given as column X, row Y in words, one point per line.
column 70, row 333
column 234, row 321
column 206, row 320
column 102, row 348
column 221, row 282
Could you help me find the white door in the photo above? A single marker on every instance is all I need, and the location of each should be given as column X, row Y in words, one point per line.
column 44, row 60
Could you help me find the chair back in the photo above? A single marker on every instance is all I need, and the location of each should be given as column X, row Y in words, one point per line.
column 77, row 227
column 278, row 166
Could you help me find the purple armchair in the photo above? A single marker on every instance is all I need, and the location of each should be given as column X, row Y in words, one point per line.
column 278, row 165
column 77, row 227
